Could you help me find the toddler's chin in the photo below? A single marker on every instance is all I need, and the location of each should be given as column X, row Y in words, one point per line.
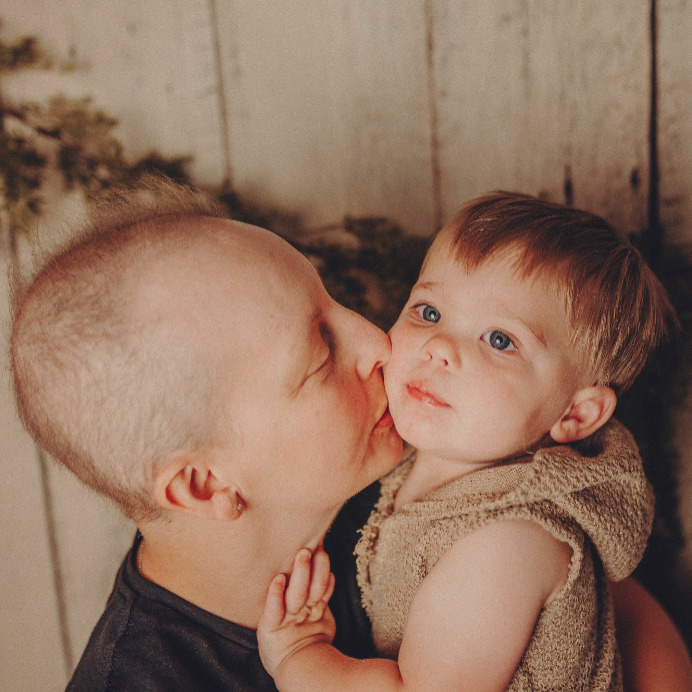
column 406, row 433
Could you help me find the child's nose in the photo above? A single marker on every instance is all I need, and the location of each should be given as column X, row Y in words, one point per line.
column 442, row 351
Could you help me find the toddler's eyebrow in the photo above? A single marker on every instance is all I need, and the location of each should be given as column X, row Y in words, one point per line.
column 426, row 285
column 535, row 331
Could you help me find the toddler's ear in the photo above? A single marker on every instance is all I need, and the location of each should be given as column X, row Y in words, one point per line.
column 590, row 409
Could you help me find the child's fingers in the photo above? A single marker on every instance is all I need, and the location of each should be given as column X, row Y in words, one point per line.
column 299, row 583
column 274, row 610
column 330, row 588
column 316, row 612
column 320, row 576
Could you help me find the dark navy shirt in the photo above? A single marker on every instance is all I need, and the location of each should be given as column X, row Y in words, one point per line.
column 150, row 640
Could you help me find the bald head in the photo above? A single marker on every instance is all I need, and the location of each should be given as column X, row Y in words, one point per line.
column 114, row 368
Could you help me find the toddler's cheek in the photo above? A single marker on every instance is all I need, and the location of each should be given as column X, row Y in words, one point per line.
column 389, row 372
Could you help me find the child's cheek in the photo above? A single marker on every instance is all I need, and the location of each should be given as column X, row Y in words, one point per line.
column 397, row 338
column 393, row 377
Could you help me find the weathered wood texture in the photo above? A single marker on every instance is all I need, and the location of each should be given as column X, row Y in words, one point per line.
column 327, row 107
column 675, row 116
column 538, row 96
column 674, row 40
column 30, row 637
column 151, row 64
column 401, row 108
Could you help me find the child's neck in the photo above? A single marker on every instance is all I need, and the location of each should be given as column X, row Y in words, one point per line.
column 431, row 471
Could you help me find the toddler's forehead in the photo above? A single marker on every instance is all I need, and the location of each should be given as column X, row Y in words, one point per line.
column 540, row 297
column 518, row 259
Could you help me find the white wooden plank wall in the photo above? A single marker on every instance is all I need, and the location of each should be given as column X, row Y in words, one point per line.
column 327, row 107
column 675, row 116
column 529, row 93
column 30, row 637
column 403, row 108
column 151, row 64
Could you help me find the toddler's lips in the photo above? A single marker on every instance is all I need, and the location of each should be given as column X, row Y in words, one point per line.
column 420, row 393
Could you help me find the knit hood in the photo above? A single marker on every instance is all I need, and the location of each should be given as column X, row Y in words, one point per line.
column 605, row 499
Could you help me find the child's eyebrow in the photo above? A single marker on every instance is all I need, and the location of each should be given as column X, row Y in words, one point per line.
column 426, row 285
column 536, row 332
column 509, row 316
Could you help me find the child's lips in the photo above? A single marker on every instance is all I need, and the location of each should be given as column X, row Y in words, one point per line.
column 420, row 392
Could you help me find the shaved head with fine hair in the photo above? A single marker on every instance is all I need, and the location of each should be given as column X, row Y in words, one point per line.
column 110, row 374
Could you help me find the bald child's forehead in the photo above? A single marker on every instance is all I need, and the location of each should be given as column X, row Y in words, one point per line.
column 234, row 285
column 213, row 255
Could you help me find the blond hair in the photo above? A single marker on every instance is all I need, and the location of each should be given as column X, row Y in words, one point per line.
column 105, row 394
column 617, row 307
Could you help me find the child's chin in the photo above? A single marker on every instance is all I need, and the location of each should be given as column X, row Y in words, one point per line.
column 412, row 428
column 410, row 435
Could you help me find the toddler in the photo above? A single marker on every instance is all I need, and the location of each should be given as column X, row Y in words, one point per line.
column 484, row 563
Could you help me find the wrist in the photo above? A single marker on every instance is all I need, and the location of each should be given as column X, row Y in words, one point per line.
column 301, row 662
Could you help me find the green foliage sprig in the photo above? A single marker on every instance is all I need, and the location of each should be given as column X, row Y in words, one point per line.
column 70, row 136
column 23, row 52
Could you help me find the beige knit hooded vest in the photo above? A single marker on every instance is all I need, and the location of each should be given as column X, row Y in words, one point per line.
column 594, row 498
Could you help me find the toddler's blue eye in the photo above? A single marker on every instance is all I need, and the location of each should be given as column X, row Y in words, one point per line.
column 428, row 313
column 499, row 340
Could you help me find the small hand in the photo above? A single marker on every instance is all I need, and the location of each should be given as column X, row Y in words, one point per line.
column 310, row 587
column 297, row 615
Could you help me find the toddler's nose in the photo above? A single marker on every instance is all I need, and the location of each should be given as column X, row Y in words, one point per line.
column 443, row 351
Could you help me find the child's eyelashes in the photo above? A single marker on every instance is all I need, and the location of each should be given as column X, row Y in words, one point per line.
column 499, row 340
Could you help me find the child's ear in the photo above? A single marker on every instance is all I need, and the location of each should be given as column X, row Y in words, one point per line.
column 590, row 409
column 189, row 484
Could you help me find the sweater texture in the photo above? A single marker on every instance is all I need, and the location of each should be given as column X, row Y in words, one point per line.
column 593, row 496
